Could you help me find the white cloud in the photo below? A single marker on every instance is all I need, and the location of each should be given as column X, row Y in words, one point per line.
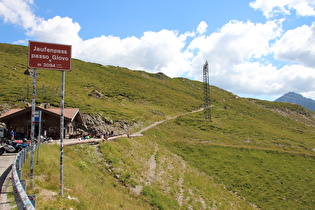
column 236, row 54
column 57, row 29
column 154, row 51
column 258, row 80
column 202, row 27
column 308, row 94
column 297, row 45
column 18, row 12
column 270, row 8
column 234, row 43
column 239, row 53
column 297, row 78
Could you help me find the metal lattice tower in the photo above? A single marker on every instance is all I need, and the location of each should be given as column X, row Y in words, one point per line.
column 206, row 89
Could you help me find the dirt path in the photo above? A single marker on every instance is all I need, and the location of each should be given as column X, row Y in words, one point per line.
column 152, row 166
column 69, row 142
column 162, row 121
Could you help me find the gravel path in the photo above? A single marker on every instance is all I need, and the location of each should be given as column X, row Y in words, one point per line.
column 162, row 121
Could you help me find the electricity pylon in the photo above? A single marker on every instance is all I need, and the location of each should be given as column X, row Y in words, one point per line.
column 206, row 89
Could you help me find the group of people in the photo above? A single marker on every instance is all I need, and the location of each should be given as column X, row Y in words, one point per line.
column 14, row 135
column 102, row 136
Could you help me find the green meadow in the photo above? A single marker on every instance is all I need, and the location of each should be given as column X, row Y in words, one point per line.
column 252, row 154
column 191, row 163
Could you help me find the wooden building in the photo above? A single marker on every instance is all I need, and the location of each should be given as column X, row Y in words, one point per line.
column 48, row 120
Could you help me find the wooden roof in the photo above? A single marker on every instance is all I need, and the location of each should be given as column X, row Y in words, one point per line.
column 69, row 113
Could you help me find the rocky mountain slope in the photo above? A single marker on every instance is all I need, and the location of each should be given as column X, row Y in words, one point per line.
column 296, row 98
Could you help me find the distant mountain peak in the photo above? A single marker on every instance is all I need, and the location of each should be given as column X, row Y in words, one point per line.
column 295, row 98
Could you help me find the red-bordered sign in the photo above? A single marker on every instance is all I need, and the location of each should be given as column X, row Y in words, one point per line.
column 43, row 55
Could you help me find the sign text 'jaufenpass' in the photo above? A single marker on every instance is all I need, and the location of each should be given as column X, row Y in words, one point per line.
column 43, row 55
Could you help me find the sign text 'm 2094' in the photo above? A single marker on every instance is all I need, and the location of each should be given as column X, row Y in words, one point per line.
column 49, row 65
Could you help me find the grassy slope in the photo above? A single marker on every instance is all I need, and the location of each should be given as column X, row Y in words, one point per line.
column 87, row 182
column 264, row 156
column 262, row 151
column 110, row 181
column 249, row 151
column 125, row 94
column 252, row 148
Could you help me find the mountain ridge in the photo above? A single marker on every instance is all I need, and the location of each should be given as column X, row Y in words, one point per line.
column 295, row 98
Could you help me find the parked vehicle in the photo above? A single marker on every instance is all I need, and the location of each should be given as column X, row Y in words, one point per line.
column 9, row 149
column 24, row 142
column 12, row 146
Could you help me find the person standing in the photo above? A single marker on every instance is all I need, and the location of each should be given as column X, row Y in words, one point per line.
column 12, row 134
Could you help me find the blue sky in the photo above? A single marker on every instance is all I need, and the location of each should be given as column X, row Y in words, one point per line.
column 255, row 48
column 132, row 18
